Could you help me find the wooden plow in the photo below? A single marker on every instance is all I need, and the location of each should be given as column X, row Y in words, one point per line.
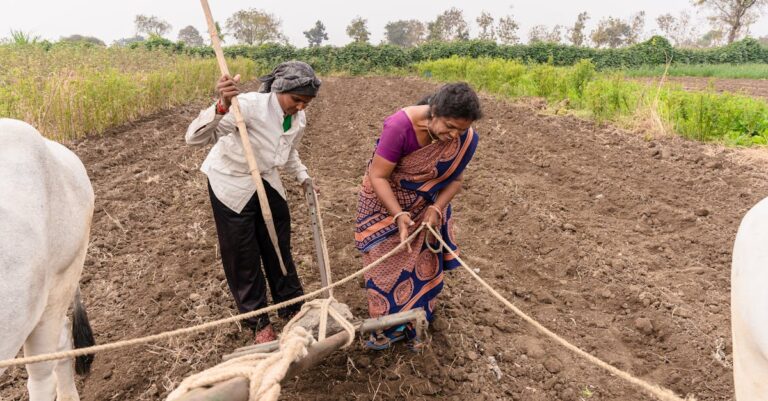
column 237, row 389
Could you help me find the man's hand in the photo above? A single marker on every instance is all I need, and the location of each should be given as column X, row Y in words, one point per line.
column 226, row 87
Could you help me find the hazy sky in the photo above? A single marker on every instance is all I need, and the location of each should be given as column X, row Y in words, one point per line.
column 110, row 20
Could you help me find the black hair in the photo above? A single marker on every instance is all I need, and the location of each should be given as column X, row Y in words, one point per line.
column 457, row 100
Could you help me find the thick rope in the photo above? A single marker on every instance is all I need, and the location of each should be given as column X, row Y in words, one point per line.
column 652, row 389
column 325, row 310
column 205, row 326
column 265, row 371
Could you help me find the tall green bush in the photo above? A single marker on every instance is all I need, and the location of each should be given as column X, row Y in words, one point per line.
column 733, row 119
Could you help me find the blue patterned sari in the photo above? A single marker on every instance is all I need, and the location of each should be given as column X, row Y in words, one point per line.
column 411, row 280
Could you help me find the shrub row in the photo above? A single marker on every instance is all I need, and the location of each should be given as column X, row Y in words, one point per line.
column 702, row 115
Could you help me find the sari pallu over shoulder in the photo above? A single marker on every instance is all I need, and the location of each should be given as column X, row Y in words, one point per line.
column 416, row 182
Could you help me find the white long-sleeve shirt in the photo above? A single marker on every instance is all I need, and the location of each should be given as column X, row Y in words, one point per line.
column 226, row 166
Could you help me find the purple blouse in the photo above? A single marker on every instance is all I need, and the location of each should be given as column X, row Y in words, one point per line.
column 398, row 138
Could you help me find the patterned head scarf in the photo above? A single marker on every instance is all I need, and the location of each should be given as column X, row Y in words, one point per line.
column 291, row 76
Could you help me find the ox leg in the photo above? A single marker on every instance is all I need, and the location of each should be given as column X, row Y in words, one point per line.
column 44, row 339
column 64, row 369
column 65, row 372
column 50, row 335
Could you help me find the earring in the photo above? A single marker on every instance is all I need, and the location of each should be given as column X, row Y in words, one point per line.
column 431, row 135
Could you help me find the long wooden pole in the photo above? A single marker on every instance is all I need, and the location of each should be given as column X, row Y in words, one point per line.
column 321, row 248
column 252, row 164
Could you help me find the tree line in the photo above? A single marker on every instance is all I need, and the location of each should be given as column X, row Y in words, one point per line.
column 729, row 20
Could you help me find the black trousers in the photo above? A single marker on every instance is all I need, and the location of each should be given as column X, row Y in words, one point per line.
column 246, row 247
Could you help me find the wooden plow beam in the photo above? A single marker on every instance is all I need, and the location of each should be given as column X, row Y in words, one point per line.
column 318, row 234
column 237, row 389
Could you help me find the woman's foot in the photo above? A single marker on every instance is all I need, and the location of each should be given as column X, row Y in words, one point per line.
column 265, row 335
column 381, row 341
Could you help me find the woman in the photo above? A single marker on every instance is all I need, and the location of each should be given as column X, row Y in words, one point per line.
column 275, row 121
column 416, row 170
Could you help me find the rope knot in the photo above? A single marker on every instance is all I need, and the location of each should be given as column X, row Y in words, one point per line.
column 315, row 314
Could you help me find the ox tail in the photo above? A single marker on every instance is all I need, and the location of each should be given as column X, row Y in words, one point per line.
column 82, row 335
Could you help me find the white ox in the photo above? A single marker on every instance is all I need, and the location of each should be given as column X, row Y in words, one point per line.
column 749, row 305
column 46, row 205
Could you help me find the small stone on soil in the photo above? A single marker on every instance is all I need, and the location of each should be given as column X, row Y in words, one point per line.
column 544, row 297
column 203, row 310
column 714, row 165
column 364, row 362
column 504, row 327
column 644, row 325
column 683, row 313
column 553, row 365
column 532, row 348
column 440, row 325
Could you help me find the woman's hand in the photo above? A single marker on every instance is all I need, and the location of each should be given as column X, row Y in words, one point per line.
column 403, row 223
column 306, row 185
column 226, row 87
column 433, row 217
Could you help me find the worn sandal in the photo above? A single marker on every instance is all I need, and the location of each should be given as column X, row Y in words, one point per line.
column 381, row 341
column 265, row 335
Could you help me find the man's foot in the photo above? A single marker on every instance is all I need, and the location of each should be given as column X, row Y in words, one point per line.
column 289, row 312
column 265, row 335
